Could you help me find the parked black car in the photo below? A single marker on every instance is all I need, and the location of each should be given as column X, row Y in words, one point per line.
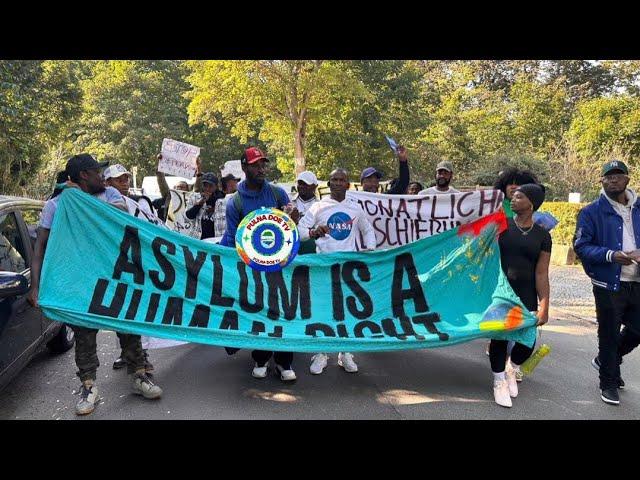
column 23, row 328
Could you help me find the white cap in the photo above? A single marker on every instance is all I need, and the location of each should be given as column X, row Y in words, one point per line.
column 308, row 178
column 115, row 171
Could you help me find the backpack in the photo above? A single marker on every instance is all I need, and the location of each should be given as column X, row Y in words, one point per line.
column 237, row 200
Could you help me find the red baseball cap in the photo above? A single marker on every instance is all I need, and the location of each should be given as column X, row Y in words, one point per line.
column 252, row 155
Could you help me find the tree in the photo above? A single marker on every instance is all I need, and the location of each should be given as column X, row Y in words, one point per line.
column 275, row 99
column 604, row 126
column 351, row 132
column 583, row 79
column 39, row 102
column 128, row 107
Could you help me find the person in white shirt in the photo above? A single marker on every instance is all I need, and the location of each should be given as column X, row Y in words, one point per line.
column 118, row 177
column 444, row 175
column 335, row 225
column 307, row 184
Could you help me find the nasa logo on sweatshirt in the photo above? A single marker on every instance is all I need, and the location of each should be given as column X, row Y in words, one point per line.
column 267, row 239
column 340, row 225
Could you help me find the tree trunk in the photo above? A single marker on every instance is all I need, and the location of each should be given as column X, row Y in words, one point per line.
column 299, row 144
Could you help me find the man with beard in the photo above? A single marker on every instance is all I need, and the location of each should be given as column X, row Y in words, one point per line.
column 607, row 240
column 444, row 175
column 85, row 173
column 255, row 192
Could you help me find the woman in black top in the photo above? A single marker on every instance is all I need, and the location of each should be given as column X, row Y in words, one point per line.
column 525, row 251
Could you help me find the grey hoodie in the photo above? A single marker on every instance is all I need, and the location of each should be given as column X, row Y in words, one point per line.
column 629, row 273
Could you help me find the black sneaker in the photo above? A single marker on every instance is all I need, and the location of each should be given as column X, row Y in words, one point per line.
column 596, row 364
column 119, row 363
column 610, row 396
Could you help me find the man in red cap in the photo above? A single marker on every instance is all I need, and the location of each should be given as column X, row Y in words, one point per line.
column 255, row 192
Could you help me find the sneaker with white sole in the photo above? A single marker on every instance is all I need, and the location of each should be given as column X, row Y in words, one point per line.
column 345, row 360
column 286, row 374
column 318, row 363
column 595, row 363
column 501, row 393
column 141, row 384
column 512, row 382
column 260, row 371
column 89, row 398
column 119, row 363
column 610, row 396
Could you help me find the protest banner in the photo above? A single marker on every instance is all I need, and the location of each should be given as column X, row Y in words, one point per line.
column 178, row 158
column 402, row 219
column 176, row 217
column 434, row 292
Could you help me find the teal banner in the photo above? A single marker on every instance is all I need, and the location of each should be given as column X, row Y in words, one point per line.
column 108, row 270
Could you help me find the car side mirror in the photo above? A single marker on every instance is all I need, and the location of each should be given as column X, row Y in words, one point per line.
column 12, row 284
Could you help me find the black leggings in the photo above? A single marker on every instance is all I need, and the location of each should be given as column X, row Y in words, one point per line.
column 498, row 354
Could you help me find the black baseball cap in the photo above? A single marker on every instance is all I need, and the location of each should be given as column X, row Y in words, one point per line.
column 614, row 165
column 230, row 176
column 369, row 171
column 81, row 162
column 209, row 178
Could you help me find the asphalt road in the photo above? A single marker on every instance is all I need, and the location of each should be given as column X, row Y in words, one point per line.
column 202, row 382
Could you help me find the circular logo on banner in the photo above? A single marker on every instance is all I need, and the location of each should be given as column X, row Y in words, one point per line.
column 267, row 239
column 340, row 225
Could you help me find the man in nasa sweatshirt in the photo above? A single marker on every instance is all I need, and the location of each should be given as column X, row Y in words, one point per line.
column 335, row 225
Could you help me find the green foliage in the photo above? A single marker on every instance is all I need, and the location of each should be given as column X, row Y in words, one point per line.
column 602, row 126
column 128, row 107
column 567, row 215
column 560, row 119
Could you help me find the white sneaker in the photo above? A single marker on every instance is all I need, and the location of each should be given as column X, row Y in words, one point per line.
column 260, row 372
column 512, row 381
column 89, row 398
column 345, row 360
column 286, row 375
column 142, row 385
column 501, row 393
column 318, row 363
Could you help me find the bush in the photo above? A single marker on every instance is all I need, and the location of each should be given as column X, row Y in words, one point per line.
column 567, row 215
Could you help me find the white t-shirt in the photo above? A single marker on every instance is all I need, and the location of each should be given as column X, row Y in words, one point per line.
column 304, row 205
column 110, row 195
column 344, row 221
column 434, row 190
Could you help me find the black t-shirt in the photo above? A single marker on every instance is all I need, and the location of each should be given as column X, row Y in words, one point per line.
column 519, row 255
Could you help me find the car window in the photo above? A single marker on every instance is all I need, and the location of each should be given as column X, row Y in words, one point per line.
column 31, row 217
column 12, row 252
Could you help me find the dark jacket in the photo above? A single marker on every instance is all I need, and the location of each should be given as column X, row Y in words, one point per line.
column 400, row 184
column 598, row 236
